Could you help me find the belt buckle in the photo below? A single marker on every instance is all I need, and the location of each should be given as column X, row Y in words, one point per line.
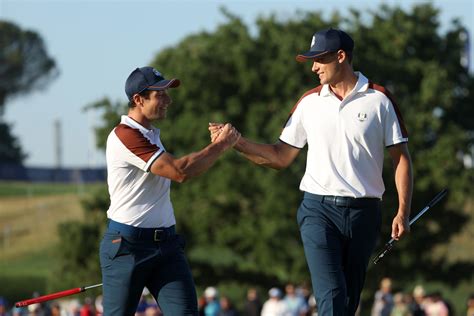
column 329, row 199
column 342, row 201
column 157, row 234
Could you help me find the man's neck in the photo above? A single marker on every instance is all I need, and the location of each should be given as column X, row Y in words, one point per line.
column 343, row 87
column 140, row 118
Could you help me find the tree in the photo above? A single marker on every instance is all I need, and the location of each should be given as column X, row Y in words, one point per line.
column 239, row 219
column 24, row 66
column 254, row 84
column 10, row 150
column 78, row 247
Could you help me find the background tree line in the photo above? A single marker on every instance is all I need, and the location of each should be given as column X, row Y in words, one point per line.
column 25, row 66
column 239, row 219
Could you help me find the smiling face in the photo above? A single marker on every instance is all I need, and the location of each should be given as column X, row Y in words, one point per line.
column 156, row 105
column 328, row 67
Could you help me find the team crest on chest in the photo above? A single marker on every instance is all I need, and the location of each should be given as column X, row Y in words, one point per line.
column 362, row 116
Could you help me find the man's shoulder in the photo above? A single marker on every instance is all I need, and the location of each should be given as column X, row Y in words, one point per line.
column 124, row 135
column 125, row 132
column 308, row 96
column 377, row 88
column 312, row 92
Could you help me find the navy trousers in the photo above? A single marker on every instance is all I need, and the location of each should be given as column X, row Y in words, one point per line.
column 338, row 240
column 132, row 260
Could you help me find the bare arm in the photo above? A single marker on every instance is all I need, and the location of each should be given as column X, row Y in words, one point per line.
column 276, row 156
column 194, row 164
column 404, row 183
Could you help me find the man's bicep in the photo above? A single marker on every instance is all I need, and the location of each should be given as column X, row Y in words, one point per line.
column 165, row 166
column 398, row 150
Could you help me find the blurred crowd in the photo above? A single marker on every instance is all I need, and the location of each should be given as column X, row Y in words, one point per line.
column 418, row 302
column 291, row 300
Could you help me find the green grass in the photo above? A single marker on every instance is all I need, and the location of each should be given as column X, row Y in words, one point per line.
column 37, row 263
column 30, row 223
column 21, row 277
column 29, row 217
column 30, row 214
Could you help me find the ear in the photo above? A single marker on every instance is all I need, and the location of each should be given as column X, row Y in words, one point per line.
column 341, row 56
column 137, row 99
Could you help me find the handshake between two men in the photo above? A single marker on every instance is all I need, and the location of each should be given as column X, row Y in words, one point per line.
column 220, row 131
column 277, row 156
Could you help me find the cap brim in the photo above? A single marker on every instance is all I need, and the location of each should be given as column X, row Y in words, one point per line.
column 310, row 55
column 165, row 84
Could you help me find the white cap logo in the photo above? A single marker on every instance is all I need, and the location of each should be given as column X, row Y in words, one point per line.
column 313, row 41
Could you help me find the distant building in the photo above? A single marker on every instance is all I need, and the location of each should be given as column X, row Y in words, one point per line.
column 15, row 172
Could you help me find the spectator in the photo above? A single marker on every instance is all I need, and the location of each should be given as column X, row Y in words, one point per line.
column 313, row 307
column 3, row 306
column 435, row 306
column 416, row 305
column 253, row 306
column 35, row 310
column 98, row 306
column 201, row 305
column 295, row 304
column 274, row 306
column 55, row 309
column 142, row 305
column 304, row 291
column 87, row 309
column 383, row 301
column 73, row 307
column 400, row 307
column 470, row 305
column 19, row 311
column 153, row 310
column 212, row 307
column 227, row 308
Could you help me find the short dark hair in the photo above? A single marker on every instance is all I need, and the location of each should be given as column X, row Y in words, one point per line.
column 349, row 56
column 145, row 93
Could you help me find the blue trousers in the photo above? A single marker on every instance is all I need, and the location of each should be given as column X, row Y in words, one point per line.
column 130, row 263
column 338, row 241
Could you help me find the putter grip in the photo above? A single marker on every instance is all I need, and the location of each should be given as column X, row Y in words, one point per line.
column 387, row 248
column 49, row 297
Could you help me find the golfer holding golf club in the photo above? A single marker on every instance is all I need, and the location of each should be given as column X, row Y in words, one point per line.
column 347, row 122
column 140, row 247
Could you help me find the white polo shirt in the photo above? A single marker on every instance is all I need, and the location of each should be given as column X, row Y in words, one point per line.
column 346, row 139
column 137, row 196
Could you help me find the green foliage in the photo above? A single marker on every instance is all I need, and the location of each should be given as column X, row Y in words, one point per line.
column 24, row 66
column 15, row 287
column 78, row 248
column 10, row 149
column 23, row 276
column 239, row 219
column 111, row 113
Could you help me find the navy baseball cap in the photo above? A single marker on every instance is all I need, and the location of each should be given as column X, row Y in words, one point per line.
column 147, row 78
column 325, row 42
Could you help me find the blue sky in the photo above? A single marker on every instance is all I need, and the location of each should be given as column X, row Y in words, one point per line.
column 96, row 44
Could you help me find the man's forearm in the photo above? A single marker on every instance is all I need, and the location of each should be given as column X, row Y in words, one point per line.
column 404, row 184
column 260, row 154
column 196, row 163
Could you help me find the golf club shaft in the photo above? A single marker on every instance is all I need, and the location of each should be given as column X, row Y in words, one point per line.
column 56, row 295
column 390, row 243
